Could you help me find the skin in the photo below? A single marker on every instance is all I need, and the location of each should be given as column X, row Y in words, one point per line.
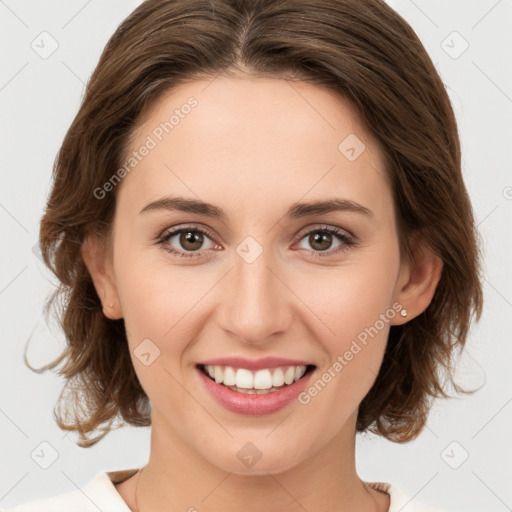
column 252, row 147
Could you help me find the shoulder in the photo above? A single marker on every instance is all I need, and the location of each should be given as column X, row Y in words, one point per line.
column 399, row 500
column 99, row 494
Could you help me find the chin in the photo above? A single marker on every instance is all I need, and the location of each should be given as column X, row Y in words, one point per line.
column 249, row 460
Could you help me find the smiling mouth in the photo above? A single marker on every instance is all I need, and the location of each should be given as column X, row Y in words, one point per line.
column 262, row 382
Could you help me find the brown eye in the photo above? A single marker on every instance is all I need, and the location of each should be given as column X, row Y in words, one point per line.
column 191, row 240
column 187, row 241
column 320, row 241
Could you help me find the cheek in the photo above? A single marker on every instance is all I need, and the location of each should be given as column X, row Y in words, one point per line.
column 353, row 307
column 349, row 298
column 158, row 303
column 354, row 332
column 159, row 299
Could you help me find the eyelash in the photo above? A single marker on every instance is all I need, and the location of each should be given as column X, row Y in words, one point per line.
column 344, row 237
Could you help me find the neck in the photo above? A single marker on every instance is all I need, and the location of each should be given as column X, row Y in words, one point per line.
column 177, row 477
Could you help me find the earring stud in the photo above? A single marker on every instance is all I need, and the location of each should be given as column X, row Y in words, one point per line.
column 403, row 312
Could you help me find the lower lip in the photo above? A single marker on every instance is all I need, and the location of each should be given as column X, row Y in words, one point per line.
column 254, row 405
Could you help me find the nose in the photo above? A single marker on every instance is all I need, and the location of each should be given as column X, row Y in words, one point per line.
column 254, row 301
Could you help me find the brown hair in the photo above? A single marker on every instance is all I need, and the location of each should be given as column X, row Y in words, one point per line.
column 361, row 50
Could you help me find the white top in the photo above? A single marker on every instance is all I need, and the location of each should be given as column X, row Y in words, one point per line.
column 101, row 494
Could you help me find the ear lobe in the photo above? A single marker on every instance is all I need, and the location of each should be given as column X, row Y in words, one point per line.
column 423, row 275
column 95, row 256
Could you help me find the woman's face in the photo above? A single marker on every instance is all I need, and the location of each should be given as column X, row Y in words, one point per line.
column 264, row 280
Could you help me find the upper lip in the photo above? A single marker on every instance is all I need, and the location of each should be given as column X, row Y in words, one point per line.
column 254, row 364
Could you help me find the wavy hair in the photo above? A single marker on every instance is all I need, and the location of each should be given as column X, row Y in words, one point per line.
column 361, row 50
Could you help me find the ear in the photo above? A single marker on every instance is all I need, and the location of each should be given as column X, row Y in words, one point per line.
column 417, row 281
column 98, row 263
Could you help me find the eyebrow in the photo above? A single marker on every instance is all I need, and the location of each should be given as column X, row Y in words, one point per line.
column 295, row 211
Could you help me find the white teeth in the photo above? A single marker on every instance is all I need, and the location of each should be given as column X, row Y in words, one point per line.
column 278, row 378
column 244, row 378
column 299, row 372
column 229, row 376
column 259, row 381
column 262, row 380
column 289, row 375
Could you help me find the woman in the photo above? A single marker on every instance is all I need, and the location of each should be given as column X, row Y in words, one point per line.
column 265, row 244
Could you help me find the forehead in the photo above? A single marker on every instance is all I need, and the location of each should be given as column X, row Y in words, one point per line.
column 254, row 139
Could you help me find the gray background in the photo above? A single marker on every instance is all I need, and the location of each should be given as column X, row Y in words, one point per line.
column 462, row 460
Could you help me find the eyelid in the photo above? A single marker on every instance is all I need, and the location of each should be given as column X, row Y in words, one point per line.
column 167, row 232
column 346, row 237
column 325, row 227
